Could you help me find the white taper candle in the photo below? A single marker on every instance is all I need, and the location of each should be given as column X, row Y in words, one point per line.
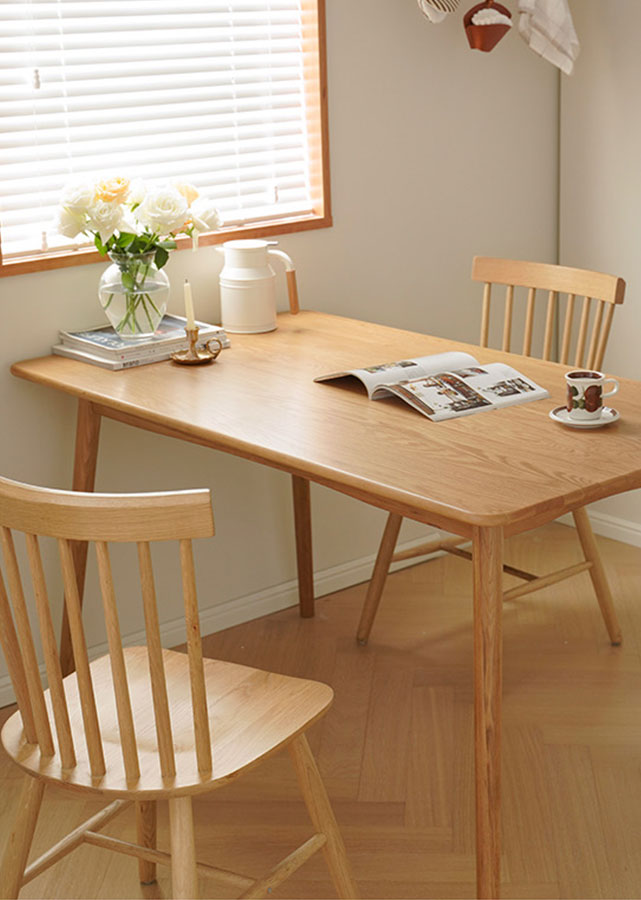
column 189, row 307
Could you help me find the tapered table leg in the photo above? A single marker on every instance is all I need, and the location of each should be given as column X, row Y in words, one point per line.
column 84, row 477
column 379, row 577
column 304, row 559
column 488, row 603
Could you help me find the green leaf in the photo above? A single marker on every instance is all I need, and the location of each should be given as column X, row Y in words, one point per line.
column 161, row 257
column 128, row 281
column 99, row 245
column 168, row 245
column 126, row 239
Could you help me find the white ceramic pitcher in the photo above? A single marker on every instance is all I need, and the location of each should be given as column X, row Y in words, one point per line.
column 248, row 286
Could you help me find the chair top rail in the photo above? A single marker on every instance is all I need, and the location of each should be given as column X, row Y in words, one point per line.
column 167, row 515
column 548, row 277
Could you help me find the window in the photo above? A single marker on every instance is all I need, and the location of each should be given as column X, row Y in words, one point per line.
column 226, row 95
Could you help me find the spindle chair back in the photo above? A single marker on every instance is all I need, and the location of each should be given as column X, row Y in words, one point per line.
column 596, row 293
column 136, row 724
column 582, row 345
column 99, row 520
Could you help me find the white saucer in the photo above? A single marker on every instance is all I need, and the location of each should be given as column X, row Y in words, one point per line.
column 608, row 415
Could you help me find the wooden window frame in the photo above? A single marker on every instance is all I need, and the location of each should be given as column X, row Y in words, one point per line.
column 314, row 36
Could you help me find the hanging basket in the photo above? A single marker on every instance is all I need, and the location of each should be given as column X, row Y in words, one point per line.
column 485, row 37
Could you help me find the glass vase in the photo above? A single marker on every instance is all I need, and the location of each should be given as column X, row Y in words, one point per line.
column 134, row 294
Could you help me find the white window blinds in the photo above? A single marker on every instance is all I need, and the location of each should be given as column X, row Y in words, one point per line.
column 202, row 91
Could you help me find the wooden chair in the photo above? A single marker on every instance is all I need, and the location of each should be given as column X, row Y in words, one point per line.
column 141, row 723
column 604, row 291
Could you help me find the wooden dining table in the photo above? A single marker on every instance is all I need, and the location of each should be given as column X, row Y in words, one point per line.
column 484, row 476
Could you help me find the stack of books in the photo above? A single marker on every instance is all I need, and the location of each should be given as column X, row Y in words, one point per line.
column 102, row 346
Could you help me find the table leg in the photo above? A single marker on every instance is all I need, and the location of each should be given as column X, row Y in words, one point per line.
column 379, row 577
column 84, row 476
column 304, row 560
column 488, row 602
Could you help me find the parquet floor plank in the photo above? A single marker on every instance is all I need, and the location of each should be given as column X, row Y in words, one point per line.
column 396, row 748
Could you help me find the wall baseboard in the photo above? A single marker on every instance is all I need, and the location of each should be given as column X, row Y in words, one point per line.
column 251, row 606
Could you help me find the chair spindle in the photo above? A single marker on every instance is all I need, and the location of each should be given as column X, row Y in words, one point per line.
column 605, row 333
column 156, row 663
column 596, row 330
column 13, row 656
column 25, row 636
column 583, row 332
column 567, row 329
column 81, row 657
column 485, row 318
column 196, row 670
column 529, row 322
column 118, row 668
column 549, row 325
column 507, row 322
column 50, row 650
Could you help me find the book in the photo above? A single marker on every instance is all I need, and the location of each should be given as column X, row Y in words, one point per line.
column 445, row 385
column 114, row 364
column 105, row 343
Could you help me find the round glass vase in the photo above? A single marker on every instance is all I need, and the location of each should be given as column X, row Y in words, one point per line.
column 134, row 294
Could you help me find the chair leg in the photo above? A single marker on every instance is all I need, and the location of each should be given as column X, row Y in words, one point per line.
column 146, row 828
column 14, row 861
column 379, row 575
column 597, row 574
column 184, row 879
column 322, row 816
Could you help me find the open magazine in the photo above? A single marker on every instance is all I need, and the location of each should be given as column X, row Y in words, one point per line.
column 446, row 385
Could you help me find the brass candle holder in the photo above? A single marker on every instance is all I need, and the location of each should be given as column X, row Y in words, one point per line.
column 194, row 355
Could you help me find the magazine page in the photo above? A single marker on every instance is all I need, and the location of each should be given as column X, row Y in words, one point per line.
column 104, row 338
column 448, row 395
column 404, row 370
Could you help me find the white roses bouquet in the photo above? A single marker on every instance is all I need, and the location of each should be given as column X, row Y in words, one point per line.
column 136, row 225
column 130, row 217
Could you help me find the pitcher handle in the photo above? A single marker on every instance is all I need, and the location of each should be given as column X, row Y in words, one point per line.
column 292, row 287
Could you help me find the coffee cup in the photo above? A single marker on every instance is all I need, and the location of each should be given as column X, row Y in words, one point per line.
column 585, row 393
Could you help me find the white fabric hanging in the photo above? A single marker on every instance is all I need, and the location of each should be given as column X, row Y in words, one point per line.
column 547, row 27
column 437, row 10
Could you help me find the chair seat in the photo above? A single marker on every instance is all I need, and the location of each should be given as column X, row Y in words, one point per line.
column 251, row 713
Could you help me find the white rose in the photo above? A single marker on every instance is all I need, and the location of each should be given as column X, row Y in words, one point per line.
column 189, row 192
column 128, row 222
column 78, row 197
column 71, row 223
column 105, row 218
column 163, row 210
column 205, row 216
column 137, row 191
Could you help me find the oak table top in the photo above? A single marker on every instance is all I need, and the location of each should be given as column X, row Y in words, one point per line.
column 511, row 467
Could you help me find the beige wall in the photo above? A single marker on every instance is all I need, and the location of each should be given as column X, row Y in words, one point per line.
column 437, row 153
column 601, row 190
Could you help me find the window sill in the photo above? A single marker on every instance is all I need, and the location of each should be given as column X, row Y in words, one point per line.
column 66, row 258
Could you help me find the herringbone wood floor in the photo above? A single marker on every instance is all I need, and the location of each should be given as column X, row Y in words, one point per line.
column 396, row 748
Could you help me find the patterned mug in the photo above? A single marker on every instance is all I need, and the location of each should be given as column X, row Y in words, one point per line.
column 585, row 393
